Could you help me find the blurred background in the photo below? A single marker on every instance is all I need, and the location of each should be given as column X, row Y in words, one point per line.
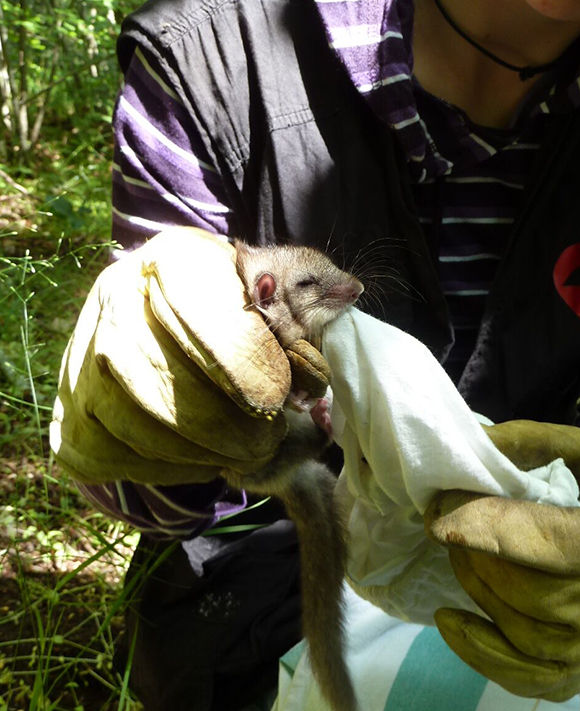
column 61, row 563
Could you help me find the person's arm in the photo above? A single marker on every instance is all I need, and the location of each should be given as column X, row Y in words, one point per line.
column 162, row 175
column 165, row 512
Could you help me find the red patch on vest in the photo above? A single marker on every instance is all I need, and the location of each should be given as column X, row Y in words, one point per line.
column 567, row 277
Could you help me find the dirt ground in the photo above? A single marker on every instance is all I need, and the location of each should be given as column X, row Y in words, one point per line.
column 58, row 590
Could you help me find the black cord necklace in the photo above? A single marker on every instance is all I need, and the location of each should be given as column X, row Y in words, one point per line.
column 524, row 72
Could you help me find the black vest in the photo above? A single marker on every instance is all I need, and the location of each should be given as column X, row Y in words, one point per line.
column 305, row 160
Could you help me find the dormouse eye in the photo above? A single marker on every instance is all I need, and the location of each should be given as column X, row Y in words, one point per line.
column 310, row 281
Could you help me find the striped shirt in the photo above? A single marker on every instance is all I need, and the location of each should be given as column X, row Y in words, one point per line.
column 161, row 173
column 467, row 182
column 166, row 512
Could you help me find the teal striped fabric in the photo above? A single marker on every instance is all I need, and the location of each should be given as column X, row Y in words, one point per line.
column 423, row 680
column 399, row 666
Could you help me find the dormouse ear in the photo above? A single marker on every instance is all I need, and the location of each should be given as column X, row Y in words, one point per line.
column 265, row 290
column 241, row 246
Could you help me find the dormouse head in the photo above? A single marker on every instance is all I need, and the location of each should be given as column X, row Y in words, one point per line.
column 297, row 289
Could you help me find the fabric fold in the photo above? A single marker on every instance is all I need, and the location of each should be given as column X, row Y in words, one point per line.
column 407, row 433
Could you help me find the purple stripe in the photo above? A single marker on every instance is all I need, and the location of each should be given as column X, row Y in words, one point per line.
column 152, row 207
column 130, row 234
column 465, row 285
column 344, row 14
column 129, row 197
column 356, row 61
column 477, row 240
column 150, row 149
column 121, row 226
column 205, row 502
column 203, row 201
column 496, row 196
column 365, row 77
column 149, row 201
column 162, row 170
column 166, row 172
column 165, row 112
column 470, row 276
column 160, row 116
column 475, row 243
column 127, row 236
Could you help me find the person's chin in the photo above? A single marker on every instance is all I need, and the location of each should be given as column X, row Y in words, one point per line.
column 564, row 10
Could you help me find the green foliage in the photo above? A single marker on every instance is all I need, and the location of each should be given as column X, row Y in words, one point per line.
column 61, row 563
column 56, row 56
column 61, row 613
column 39, row 301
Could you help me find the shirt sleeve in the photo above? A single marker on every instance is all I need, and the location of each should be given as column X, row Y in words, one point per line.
column 162, row 177
column 166, row 512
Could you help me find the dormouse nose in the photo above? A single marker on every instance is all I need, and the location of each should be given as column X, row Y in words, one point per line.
column 356, row 289
column 349, row 292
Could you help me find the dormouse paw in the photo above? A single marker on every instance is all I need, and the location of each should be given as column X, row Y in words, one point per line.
column 321, row 416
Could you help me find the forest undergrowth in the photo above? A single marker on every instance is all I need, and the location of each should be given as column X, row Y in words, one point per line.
column 61, row 563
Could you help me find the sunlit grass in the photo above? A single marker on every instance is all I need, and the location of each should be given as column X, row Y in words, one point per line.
column 61, row 563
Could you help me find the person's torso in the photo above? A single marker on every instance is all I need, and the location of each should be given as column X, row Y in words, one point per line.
column 305, row 160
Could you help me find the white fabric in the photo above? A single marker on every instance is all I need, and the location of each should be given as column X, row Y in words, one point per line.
column 406, row 433
column 397, row 666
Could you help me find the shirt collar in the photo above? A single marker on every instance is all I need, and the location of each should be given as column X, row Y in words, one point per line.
column 373, row 40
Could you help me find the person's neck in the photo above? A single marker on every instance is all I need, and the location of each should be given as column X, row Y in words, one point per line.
column 449, row 67
column 513, row 30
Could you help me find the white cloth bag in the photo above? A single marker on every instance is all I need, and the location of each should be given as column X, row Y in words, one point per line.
column 407, row 433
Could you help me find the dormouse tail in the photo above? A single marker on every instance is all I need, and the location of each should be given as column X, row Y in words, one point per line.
column 322, row 539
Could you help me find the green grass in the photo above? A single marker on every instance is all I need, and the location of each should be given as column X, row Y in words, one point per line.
column 61, row 563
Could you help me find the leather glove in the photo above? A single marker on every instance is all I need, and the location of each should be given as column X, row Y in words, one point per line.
column 169, row 376
column 520, row 562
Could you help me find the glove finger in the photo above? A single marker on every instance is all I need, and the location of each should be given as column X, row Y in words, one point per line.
column 162, row 380
column 532, row 636
column 480, row 644
column 200, row 300
column 539, row 536
column 152, row 439
column 118, row 344
column 555, row 599
column 310, row 371
column 91, row 454
column 532, row 444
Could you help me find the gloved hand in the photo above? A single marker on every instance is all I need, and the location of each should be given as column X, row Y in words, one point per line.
column 520, row 562
column 168, row 376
